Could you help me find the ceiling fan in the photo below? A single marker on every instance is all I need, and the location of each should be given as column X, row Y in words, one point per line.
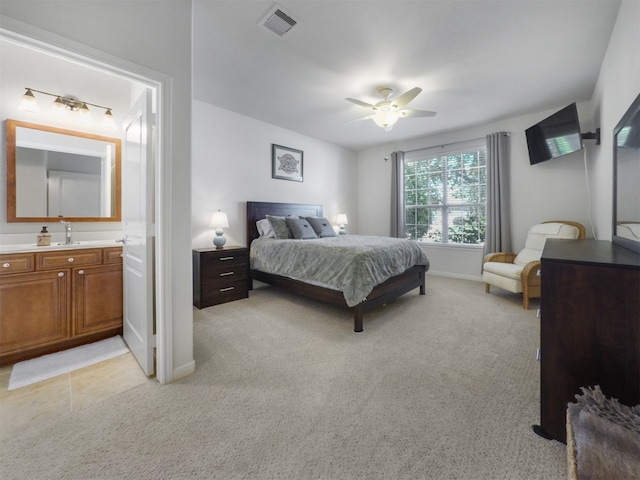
column 386, row 112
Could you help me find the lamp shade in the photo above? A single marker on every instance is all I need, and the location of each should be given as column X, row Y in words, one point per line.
column 219, row 220
column 28, row 103
column 341, row 219
column 107, row 120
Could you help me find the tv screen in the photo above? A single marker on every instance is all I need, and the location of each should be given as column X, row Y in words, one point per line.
column 554, row 136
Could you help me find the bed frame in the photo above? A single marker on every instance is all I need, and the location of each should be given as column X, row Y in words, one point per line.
column 391, row 289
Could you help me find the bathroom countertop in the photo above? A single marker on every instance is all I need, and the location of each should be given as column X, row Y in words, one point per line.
column 32, row 247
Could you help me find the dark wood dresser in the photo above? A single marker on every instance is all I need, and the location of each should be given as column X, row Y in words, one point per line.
column 589, row 327
column 220, row 275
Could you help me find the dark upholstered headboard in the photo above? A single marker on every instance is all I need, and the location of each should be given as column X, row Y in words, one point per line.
column 258, row 210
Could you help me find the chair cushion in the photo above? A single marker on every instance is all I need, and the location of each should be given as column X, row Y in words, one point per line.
column 509, row 270
column 537, row 237
column 506, row 283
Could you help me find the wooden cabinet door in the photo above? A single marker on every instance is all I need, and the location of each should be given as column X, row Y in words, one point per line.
column 35, row 310
column 97, row 299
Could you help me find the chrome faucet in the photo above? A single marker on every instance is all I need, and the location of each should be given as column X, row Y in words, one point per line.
column 67, row 227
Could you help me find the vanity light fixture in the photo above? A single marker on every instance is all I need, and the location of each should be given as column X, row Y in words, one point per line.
column 61, row 104
column 341, row 220
column 29, row 103
column 219, row 221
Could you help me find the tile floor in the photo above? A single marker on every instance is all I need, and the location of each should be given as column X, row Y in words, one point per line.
column 27, row 406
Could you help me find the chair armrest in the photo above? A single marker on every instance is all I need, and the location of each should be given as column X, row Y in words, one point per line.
column 530, row 271
column 500, row 257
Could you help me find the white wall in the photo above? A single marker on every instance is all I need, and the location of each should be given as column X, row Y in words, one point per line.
column 618, row 85
column 232, row 165
column 154, row 37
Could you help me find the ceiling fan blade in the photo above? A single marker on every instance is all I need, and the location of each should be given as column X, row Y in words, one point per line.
column 416, row 113
column 368, row 117
column 406, row 97
column 360, row 103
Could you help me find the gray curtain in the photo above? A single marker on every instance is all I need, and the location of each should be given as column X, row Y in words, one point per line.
column 397, row 195
column 498, row 234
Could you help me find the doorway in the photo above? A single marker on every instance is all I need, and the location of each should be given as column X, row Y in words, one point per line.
column 139, row 81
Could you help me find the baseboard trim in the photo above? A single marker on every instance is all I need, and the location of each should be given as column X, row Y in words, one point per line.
column 184, row 370
column 475, row 278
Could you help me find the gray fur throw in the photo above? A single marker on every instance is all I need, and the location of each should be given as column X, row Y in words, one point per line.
column 605, row 437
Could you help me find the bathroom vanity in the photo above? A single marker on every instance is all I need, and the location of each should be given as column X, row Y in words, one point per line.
column 58, row 297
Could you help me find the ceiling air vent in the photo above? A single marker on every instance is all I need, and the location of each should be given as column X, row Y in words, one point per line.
column 278, row 22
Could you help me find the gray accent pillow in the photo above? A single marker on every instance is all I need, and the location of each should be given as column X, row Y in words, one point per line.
column 279, row 226
column 300, row 228
column 321, row 226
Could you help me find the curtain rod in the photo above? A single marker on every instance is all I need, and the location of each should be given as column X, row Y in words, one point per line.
column 456, row 143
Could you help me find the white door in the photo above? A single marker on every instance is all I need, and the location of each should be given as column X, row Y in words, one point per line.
column 137, row 224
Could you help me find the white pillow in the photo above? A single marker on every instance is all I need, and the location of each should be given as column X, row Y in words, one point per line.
column 264, row 228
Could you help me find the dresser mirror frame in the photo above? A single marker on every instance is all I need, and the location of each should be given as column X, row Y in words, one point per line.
column 626, row 175
column 56, row 139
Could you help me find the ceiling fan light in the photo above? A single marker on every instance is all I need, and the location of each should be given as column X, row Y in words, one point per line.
column 386, row 119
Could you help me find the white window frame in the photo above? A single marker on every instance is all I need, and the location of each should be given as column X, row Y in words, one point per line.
column 445, row 206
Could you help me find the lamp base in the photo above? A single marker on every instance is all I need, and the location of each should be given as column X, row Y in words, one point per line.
column 342, row 230
column 219, row 239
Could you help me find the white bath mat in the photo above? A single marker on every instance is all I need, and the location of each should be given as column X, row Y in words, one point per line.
column 48, row 366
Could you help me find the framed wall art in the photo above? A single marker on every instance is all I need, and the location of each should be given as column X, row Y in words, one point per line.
column 286, row 163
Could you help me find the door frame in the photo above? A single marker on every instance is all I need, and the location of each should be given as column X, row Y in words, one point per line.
column 55, row 45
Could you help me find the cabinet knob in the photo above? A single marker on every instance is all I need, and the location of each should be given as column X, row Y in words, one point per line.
column 6, row 265
column 61, row 274
column 70, row 259
column 80, row 272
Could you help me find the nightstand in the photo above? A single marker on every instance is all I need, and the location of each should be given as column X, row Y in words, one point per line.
column 220, row 275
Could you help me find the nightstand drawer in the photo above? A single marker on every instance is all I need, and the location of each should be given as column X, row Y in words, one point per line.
column 222, row 293
column 225, row 274
column 223, row 259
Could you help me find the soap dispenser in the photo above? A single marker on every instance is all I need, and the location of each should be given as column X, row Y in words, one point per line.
column 44, row 237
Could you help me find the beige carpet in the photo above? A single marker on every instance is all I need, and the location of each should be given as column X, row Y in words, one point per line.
column 442, row 386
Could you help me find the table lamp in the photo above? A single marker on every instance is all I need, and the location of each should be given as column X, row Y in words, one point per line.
column 219, row 221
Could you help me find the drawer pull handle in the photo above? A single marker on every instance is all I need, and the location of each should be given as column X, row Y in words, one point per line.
column 226, row 273
column 80, row 272
column 226, row 258
column 6, row 265
column 226, row 289
column 70, row 259
column 61, row 274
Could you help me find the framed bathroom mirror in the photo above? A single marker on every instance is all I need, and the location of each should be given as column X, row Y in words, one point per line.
column 626, row 178
column 54, row 173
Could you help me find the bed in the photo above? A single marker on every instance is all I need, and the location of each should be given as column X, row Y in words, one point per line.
column 410, row 279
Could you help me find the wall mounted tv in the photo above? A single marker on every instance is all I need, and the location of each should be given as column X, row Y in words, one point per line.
column 554, row 136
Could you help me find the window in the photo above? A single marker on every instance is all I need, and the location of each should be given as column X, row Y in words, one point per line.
column 445, row 193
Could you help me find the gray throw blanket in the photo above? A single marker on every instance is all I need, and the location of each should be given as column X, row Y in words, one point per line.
column 352, row 264
column 603, row 438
